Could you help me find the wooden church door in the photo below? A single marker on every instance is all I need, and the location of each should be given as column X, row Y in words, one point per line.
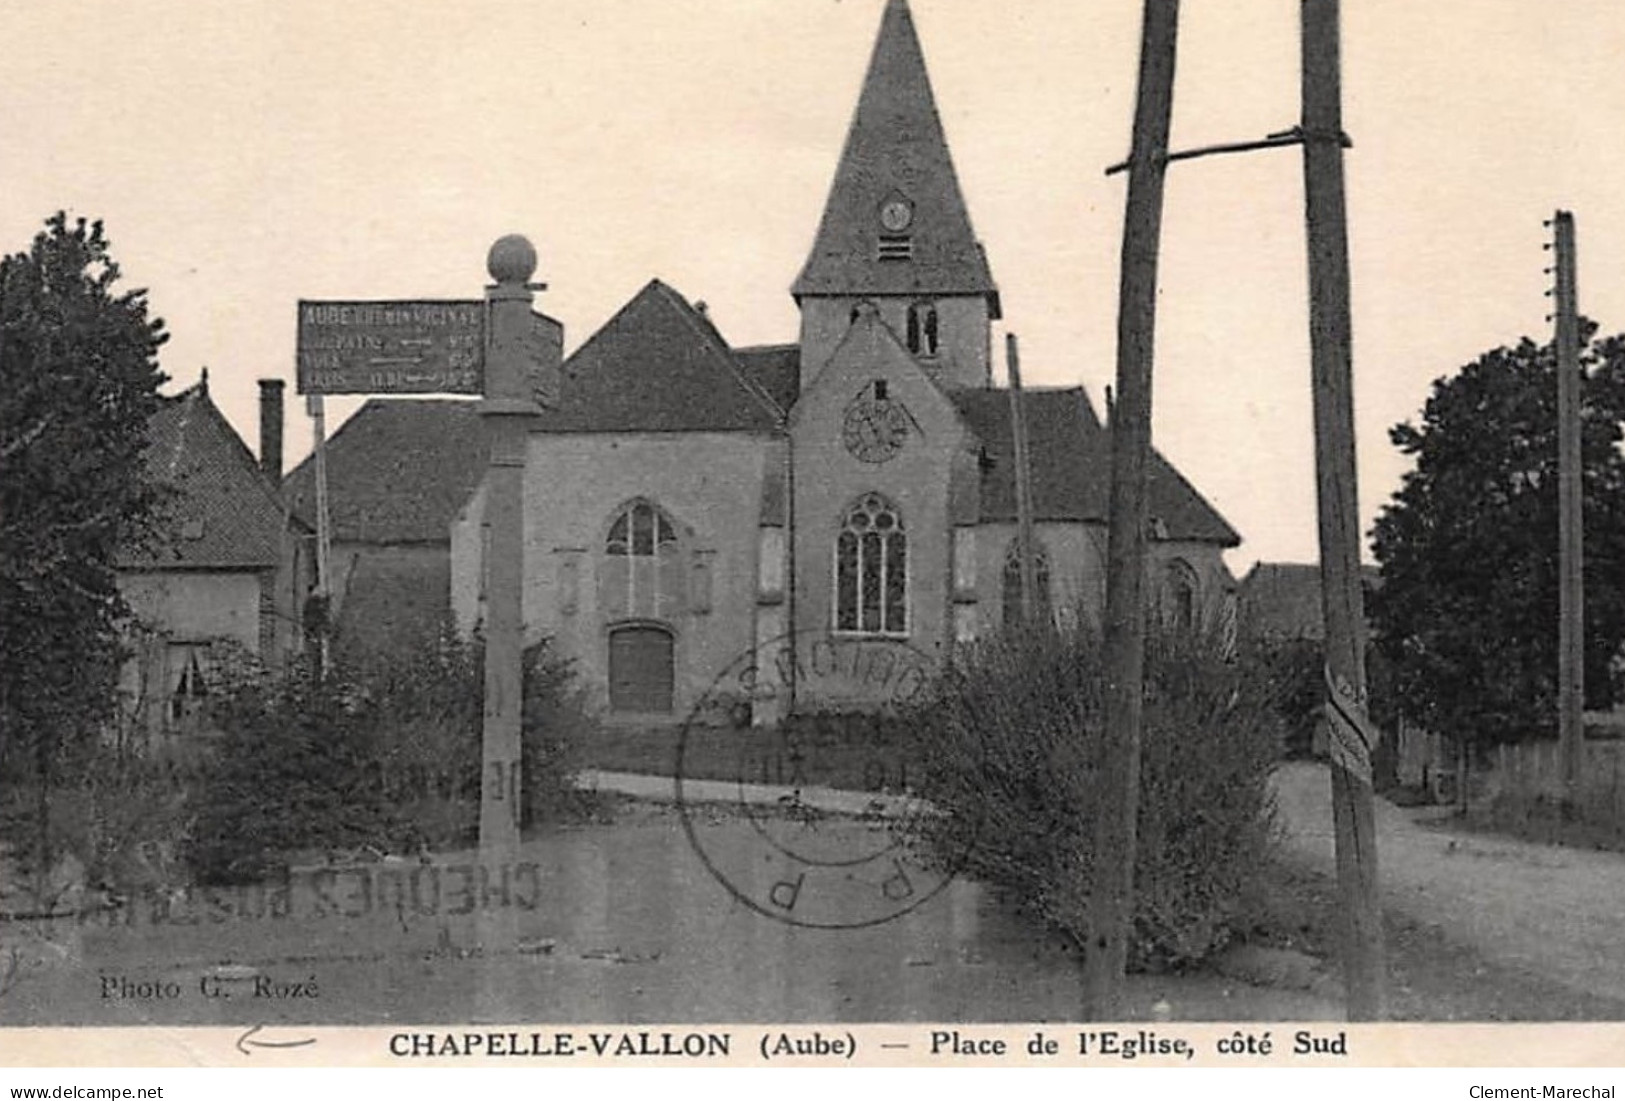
column 640, row 669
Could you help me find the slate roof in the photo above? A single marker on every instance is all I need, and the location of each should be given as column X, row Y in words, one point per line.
column 895, row 147
column 1070, row 452
column 401, row 469
column 225, row 513
column 1283, row 599
column 659, row 365
column 775, row 369
column 398, row 471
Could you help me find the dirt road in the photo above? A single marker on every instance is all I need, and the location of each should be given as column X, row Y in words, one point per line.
column 1552, row 911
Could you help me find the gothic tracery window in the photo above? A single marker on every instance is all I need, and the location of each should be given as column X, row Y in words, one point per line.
column 871, row 569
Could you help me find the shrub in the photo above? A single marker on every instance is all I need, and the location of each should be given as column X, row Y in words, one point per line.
column 384, row 757
column 556, row 729
column 1009, row 744
column 297, row 766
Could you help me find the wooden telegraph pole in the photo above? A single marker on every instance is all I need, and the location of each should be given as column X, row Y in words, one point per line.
column 1024, row 488
column 1570, row 523
column 1352, row 736
column 506, row 409
column 1111, row 901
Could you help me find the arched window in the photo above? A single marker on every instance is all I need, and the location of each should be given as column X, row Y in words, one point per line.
column 1180, row 595
column 643, row 565
column 1012, row 583
column 922, row 328
column 871, row 569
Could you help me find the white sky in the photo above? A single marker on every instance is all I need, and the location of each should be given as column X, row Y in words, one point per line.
column 245, row 155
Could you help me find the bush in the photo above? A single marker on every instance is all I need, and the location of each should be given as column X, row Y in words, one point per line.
column 298, row 765
column 1010, row 742
column 386, row 757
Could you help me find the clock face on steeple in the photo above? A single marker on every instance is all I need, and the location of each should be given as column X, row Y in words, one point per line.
column 896, row 214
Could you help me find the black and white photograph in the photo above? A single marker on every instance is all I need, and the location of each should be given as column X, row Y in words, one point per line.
column 809, row 532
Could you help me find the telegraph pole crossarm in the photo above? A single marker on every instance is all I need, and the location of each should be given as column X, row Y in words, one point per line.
column 1279, row 140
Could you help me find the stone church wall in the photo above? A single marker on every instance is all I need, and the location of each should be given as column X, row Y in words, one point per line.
column 709, row 485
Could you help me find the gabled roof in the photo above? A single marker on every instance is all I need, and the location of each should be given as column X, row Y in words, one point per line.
column 895, row 149
column 659, row 366
column 1283, row 599
column 1070, row 453
column 225, row 513
column 398, row 471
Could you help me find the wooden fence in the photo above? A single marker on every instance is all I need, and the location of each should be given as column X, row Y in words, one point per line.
column 1528, row 773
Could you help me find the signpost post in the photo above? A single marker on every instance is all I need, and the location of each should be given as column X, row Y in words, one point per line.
column 315, row 406
column 505, row 410
column 501, row 350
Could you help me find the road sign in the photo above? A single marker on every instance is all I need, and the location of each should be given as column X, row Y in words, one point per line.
column 417, row 347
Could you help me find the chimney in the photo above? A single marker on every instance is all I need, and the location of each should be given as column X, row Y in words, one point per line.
column 271, row 429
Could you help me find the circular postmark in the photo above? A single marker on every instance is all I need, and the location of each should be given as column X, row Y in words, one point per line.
column 811, row 814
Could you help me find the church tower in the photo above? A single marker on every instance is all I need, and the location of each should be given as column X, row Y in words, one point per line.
column 895, row 232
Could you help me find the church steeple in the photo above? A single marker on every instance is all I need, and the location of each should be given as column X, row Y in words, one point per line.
column 895, row 230
column 895, row 222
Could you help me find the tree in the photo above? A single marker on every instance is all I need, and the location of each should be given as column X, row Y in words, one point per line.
column 79, row 378
column 1467, row 610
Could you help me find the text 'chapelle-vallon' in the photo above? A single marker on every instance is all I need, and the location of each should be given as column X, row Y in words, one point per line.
column 939, row 1045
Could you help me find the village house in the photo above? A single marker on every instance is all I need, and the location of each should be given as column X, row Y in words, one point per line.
column 686, row 500
column 229, row 571
column 399, row 472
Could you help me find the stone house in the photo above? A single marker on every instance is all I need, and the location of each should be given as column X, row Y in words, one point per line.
column 231, row 567
column 398, row 474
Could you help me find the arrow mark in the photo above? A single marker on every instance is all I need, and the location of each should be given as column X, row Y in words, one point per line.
column 246, row 1041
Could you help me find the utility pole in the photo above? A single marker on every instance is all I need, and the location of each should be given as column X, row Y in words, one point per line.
column 1570, row 521
column 1111, row 902
column 1024, row 489
column 1352, row 737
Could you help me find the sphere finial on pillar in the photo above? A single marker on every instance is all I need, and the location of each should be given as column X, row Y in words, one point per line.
column 512, row 260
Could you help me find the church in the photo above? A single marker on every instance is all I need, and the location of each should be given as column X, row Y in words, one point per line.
column 686, row 500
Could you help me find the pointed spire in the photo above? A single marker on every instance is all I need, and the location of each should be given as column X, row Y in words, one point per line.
column 896, row 179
